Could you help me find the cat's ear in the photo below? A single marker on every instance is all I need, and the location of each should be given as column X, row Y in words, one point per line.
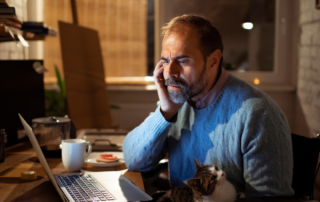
column 198, row 165
column 194, row 183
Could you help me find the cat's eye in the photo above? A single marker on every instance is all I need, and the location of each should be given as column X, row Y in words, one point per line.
column 216, row 168
column 214, row 177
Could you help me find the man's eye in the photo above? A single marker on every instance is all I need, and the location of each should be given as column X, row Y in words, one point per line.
column 183, row 61
column 166, row 61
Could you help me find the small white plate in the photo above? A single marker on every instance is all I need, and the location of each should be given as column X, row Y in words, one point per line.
column 91, row 160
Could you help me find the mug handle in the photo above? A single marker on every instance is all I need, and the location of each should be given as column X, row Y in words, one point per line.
column 89, row 149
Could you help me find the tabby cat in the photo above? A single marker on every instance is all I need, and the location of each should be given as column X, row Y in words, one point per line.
column 209, row 184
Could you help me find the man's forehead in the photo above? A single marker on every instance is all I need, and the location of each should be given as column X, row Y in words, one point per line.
column 175, row 48
column 181, row 40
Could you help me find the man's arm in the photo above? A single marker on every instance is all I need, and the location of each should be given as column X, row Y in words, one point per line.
column 146, row 145
column 267, row 153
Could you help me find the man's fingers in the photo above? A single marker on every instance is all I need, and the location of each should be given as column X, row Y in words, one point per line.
column 158, row 70
column 158, row 66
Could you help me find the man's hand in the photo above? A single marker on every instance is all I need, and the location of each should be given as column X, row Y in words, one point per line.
column 168, row 108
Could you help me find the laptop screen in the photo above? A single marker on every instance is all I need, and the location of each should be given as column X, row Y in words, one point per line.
column 40, row 155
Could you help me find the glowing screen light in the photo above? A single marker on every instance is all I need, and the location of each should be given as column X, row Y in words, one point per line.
column 256, row 81
column 247, row 25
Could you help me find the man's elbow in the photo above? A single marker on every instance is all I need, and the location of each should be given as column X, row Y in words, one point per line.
column 137, row 166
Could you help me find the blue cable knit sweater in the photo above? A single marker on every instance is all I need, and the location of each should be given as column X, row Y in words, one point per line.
column 243, row 132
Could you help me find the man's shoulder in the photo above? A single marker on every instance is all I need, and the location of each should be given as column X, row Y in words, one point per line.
column 250, row 98
column 236, row 97
column 241, row 88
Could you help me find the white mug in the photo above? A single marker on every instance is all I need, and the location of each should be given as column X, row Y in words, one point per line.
column 74, row 153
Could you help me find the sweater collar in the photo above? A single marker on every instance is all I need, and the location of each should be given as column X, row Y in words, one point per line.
column 211, row 96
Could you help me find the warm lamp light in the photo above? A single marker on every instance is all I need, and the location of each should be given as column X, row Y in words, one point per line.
column 256, row 81
column 247, row 25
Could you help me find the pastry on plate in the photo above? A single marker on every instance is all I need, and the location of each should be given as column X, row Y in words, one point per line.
column 107, row 158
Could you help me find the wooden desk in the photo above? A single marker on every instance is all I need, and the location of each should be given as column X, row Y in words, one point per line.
column 21, row 158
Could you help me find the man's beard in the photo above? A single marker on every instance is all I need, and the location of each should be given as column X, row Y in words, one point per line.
column 187, row 91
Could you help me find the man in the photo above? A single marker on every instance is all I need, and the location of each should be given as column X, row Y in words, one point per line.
column 211, row 116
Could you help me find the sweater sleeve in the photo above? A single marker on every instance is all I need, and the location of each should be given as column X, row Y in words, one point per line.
column 267, row 152
column 146, row 145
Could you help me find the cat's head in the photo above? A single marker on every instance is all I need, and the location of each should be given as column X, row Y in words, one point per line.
column 206, row 178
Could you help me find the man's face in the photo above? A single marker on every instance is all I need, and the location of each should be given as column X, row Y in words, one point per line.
column 184, row 66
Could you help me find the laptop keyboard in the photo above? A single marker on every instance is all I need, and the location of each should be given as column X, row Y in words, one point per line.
column 85, row 188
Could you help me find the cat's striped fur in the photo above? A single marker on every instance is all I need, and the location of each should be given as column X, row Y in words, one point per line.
column 209, row 184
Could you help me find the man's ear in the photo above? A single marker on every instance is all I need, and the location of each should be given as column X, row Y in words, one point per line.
column 214, row 58
column 194, row 183
column 198, row 165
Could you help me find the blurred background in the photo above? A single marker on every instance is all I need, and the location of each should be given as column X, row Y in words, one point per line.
column 271, row 44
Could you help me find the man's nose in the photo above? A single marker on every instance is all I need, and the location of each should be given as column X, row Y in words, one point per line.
column 172, row 70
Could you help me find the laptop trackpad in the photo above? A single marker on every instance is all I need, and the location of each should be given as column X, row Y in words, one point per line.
column 123, row 189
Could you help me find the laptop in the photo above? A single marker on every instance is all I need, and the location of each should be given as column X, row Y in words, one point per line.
column 88, row 186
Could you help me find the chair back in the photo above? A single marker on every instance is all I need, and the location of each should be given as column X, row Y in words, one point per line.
column 305, row 161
